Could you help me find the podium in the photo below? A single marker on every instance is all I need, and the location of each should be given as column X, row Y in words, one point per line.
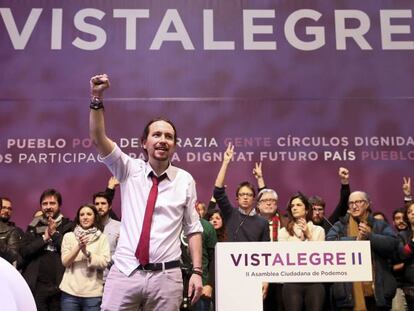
column 242, row 267
column 14, row 292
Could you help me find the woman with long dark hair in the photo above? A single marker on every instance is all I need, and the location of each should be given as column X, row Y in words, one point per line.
column 85, row 255
column 302, row 296
column 215, row 217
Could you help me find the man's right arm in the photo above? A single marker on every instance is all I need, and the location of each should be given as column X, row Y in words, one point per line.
column 342, row 207
column 110, row 189
column 97, row 133
column 219, row 193
column 227, row 156
column 258, row 174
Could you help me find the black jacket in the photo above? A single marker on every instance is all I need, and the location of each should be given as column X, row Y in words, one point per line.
column 35, row 247
column 383, row 244
column 11, row 239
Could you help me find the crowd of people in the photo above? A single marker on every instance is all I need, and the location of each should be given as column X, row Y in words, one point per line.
column 63, row 261
column 354, row 218
column 160, row 255
column 66, row 262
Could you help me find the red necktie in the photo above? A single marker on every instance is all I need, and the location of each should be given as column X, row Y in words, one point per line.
column 142, row 251
column 275, row 227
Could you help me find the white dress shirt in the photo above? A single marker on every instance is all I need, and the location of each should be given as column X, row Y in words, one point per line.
column 174, row 210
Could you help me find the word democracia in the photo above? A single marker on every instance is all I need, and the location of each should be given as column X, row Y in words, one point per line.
column 303, row 29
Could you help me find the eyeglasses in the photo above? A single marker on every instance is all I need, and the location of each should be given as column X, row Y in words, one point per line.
column 356, row 203
column 267, row 201
column 245, row 194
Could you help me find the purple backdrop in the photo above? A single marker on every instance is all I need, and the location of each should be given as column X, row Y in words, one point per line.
column 263, row 100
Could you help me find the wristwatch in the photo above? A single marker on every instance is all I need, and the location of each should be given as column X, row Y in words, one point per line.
column 96, row 103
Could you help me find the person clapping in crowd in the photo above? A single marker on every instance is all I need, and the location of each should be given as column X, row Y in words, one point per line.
column 296, row 296
column 43, row 268
column 85, row 255
column 360, row 225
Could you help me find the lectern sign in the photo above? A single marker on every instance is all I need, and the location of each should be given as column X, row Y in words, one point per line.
column 242, row 267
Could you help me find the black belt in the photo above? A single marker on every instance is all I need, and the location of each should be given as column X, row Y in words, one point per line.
column 159, row 266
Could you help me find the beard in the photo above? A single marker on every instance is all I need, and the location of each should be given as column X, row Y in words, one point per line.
column 104, row 214
column 401, row 227
column 160, row 156
column 317, row 219
column 47, row 214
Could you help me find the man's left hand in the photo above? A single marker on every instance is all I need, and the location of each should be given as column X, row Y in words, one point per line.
column 265, row 288
column 195, row 288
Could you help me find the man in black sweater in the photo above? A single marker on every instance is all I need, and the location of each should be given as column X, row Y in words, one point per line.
column 243, row 223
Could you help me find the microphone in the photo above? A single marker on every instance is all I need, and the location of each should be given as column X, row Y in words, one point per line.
column 236, row 232
column 327, row 220
column 338, row 234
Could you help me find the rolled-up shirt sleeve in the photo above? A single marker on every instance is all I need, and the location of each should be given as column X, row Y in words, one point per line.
column 191, row 219
column 117, row 162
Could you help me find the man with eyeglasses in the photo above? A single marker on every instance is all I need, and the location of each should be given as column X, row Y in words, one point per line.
column 243, row 223
column 358, row 225
column 267, row 200
column 267, row 205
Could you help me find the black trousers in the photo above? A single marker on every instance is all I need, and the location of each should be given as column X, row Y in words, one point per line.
column 274, row 300
column 47, row 297
column 303, row 296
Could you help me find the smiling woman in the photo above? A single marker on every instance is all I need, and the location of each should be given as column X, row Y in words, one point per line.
column 85, row 254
